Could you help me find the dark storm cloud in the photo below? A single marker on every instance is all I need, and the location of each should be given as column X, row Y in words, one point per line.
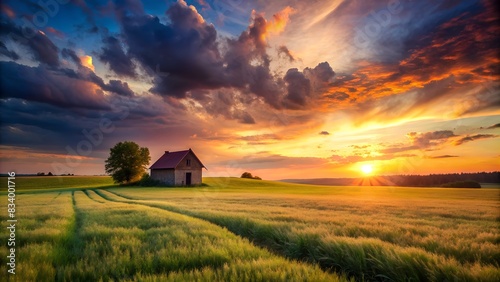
column 59, row 87
column 298, row 87
column 112, row 53
column 47, row 86
column 322, row 73
column 70, row 54
column 47, row 128
column 118, row 87
column 248, row 64
column 302, row 86
column 41, row 126
column 40, row 46
column 195, row 65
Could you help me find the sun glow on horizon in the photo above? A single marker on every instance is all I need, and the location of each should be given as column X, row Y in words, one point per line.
column 367, row 169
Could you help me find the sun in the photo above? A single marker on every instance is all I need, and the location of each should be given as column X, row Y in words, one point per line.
column 367, row 168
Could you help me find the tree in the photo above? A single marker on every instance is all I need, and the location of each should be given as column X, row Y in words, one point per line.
column 246, row 175
column 250, row 176
column 127, row 162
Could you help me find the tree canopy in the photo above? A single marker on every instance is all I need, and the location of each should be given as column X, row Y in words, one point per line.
column 249, row 175
column 127, row 162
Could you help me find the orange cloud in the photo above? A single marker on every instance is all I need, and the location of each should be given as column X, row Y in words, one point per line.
column 274, row 26
column 87, row 62
column 280, row 20
column 460, row 55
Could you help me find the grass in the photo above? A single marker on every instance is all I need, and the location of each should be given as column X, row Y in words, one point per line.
column 43, row 222
column 81, row 236
column 246, row 230
column 365, row 232
column 58, row 183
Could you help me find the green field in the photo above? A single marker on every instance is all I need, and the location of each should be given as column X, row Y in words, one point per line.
column 29, row 184
column 250, row 230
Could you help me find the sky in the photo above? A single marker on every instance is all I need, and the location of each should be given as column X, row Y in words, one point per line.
column 282, row 89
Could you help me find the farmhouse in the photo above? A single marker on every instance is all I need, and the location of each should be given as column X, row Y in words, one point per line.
column 182, row 168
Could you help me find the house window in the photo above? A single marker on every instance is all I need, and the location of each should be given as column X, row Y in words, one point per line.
column 188, row 162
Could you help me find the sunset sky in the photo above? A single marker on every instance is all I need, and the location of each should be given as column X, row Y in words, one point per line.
column 283, row 89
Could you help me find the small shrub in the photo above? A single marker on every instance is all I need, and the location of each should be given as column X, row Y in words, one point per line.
column 146, row 180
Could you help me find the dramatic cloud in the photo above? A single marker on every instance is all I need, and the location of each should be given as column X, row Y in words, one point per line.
column 48, row 86
column 197, row 65
column 256, row 79
column 454, row 60
column 298, row 87
column 41, row 47
column 118, row 87
column 70, row 54
column 204, row 63
column 112, row 53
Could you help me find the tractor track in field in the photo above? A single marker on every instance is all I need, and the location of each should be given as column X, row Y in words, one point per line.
column 276, row 241
column 252, row 240
column 70, row 243
column 86, row 192
column 310, row 249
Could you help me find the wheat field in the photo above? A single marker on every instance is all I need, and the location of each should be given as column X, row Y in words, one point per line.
column 250, row 230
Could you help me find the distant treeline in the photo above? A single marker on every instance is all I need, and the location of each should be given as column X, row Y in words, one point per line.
column 432, row 180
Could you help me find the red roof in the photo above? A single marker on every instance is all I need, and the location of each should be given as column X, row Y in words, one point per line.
column 172, row 159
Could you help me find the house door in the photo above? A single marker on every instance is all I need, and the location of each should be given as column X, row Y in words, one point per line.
column 188, row 178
